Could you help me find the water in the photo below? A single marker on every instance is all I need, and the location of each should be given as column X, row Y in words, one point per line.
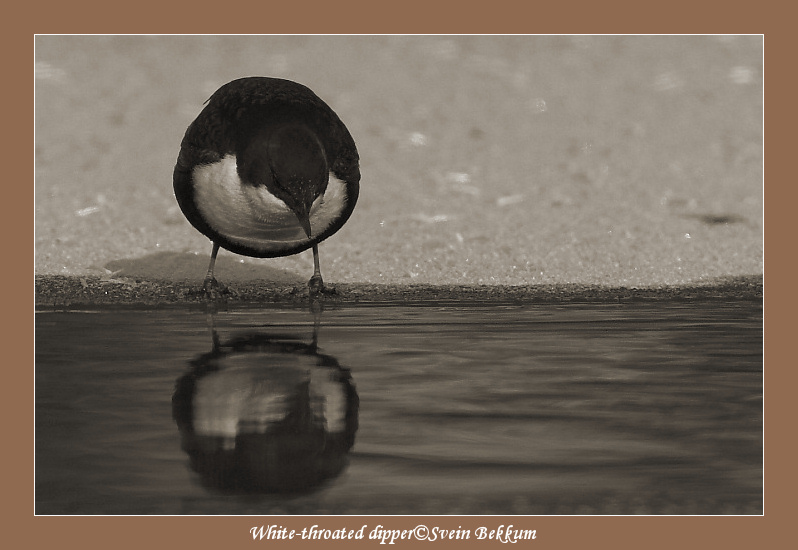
column 647, row 408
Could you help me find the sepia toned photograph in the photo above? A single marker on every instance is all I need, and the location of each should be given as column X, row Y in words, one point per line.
column 352, row 275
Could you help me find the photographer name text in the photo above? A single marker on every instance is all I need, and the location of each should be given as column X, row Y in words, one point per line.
column 503, row 533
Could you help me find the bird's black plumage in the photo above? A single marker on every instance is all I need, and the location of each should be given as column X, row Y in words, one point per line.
column 285, row 143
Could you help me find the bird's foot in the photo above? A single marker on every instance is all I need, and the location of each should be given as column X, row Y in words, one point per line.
column 213, row 289
column 317, row 287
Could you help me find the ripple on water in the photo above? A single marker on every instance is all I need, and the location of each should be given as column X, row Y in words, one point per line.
column 636, row 408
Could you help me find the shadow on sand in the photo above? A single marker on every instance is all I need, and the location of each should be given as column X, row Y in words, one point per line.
column 175, row 266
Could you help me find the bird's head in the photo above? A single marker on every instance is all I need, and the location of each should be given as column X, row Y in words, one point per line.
column 291, row 163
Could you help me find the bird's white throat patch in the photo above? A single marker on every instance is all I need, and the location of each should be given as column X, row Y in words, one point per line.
column 252, row 216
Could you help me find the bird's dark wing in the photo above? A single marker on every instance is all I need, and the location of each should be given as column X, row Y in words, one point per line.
column 259, row 103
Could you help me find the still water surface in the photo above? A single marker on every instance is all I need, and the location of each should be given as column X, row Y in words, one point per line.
column 646, row 408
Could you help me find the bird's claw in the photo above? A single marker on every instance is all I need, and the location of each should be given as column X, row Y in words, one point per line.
column 317, row 286
column 213, row 289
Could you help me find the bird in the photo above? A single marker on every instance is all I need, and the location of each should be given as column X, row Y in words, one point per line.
column 267, row 169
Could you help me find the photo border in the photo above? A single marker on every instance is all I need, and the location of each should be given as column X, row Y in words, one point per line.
column 407, row 18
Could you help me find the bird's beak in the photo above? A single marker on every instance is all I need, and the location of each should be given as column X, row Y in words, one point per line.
column 304, row 221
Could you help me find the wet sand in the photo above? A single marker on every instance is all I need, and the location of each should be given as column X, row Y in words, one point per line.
column 75, row 293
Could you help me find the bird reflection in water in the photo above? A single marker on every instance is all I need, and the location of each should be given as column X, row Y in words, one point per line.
column 266, row 413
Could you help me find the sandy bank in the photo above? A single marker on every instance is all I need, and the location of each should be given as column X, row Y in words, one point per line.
column 58, row 292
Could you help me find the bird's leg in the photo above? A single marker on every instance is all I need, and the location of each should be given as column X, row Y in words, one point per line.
column 211, row 284
column 316, row 284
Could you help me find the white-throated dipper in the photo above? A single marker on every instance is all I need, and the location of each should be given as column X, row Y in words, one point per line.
column 267, row 169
